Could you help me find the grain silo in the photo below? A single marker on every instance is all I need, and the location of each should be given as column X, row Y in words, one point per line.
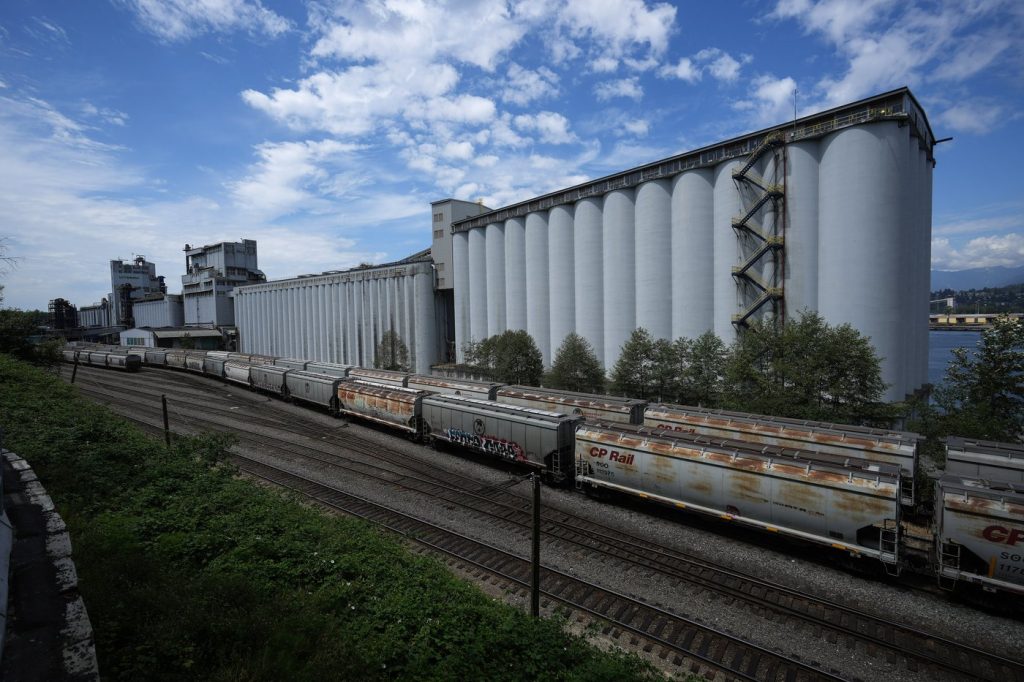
column 829, row 213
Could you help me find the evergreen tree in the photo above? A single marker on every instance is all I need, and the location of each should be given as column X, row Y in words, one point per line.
column 806, row 369
column 703, row 378
column 670, row 360
column 633, row 374
column 576, row 367
column 983, row 391
column 516, row 358
column 391, row 353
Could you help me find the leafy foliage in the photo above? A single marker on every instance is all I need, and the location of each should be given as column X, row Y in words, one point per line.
column 391, row 353
column 576, row 367
column 806, row 369
column 703, row 379
column 982, row 395
column 634, row 372
column 511, row 357
column 191, row 573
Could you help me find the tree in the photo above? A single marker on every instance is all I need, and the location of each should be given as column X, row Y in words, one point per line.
column 516, row 358
column 982, row 395
column 704, row 376
column 391, row 353
column 576, row 367
column 806, row 369
column 511, row 357
column 670, row 361
column 633, row 374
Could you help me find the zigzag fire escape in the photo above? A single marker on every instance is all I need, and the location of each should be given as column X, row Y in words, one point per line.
column 767, row 240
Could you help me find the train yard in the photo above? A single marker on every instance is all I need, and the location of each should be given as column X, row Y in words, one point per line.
column 690, row 599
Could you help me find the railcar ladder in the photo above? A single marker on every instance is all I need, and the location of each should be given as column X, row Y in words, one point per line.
column 949, row 565
column 889, row 547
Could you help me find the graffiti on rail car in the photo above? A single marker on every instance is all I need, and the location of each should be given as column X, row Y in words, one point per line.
column 505, row 449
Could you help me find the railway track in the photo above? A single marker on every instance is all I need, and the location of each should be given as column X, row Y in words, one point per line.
column 897, row 644
column 705, row 647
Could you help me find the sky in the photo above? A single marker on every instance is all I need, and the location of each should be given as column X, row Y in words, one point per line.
column 323, row 129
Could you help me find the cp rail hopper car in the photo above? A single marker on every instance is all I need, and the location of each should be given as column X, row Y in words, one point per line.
column 509, row 432
column 851, row 505
column 979, row 534
column 291, row 363
column 379, row 376
column 481, row 390
column 329, row 368
column 983, row 459
column 593, row 408
column 877, row 445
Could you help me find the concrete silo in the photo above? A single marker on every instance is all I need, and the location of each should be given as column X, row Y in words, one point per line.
column 829, row 213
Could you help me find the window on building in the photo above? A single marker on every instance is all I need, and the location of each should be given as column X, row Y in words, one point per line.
column 438, row 234
column 440, row 267
column 438, row 217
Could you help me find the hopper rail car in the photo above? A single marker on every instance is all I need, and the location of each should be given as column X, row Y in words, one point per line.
column 841, row 487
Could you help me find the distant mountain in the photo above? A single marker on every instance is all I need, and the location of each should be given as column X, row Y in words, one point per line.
column 976, row 278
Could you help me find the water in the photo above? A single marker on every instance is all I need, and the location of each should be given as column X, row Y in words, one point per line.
column 940, row 351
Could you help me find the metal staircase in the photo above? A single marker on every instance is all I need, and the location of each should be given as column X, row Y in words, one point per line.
column 768, row 239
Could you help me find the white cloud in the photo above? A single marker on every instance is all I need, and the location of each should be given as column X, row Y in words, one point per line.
column 477, row 33
column 523, row 86
column 1008, row 217
column 684, row 70
column 619, row 27
column 604, row 64
column 770, row 100
column 981, row 252
column 625, row 87
column 107, row 115
column 46, row 31
column 638, row 127
column 462, row 151
column 351, row 102
column 71, row 203
column 178, row 20
column 552, row 127
column 288, row 177
column 887, row 45
column 972, row 117
column 720, row 64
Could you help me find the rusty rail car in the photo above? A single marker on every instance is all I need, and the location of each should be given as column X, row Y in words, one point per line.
column 850, row 505
column 877, row 445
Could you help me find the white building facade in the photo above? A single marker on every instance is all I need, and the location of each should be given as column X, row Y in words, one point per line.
column 342, row 316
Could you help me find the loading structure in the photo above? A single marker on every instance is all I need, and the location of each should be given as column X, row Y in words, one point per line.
column 759, row 231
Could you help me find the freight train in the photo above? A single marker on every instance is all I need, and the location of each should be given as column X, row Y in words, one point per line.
column 844, row 487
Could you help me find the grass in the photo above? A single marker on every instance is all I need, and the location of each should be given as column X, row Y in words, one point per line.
column 189, row 572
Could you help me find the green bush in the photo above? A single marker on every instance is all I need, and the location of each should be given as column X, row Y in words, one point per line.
column 189, row 572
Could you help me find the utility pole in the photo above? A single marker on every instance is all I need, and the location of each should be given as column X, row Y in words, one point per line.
column 167, row 427
column 535, row 582
column 74, row 370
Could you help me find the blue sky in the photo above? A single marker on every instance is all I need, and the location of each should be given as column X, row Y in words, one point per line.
column 324, row 129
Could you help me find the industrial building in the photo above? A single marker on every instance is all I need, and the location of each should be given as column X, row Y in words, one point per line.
column 95, row 315
column 828, row 213
column 130, row 282
column 160, row 310
column 341, row 316
column 211, row 273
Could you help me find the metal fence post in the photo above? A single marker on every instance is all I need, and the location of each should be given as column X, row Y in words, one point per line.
column 167, row 427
